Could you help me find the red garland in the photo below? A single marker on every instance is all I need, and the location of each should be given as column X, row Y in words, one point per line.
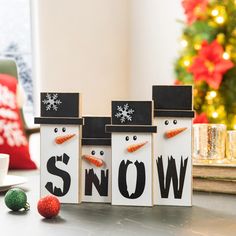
column 209, row 65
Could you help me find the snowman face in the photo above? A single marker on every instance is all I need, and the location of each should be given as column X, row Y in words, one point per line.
column 134, row 142
column 97, row 156
column 173, row 135
column 63, row 134
column 172, row 132
column 172, row 127
column 59, row 137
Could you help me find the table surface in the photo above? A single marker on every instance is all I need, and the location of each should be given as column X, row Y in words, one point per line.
column 211, row 214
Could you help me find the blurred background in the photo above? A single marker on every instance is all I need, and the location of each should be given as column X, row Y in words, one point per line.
column 121, row 48
column 117, row 48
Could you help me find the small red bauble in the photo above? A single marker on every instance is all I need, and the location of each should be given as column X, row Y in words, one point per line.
column 49, row 206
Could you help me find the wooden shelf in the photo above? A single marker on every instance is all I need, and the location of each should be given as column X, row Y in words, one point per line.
column 219, row 178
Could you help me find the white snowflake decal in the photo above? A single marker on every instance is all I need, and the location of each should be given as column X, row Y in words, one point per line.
column 52, row 102
column 13, row 134
column 7, row 98
column 124, row 113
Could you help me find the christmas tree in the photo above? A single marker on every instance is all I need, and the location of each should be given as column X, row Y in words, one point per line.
column 208, row 59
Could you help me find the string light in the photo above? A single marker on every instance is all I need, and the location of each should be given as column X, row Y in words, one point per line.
column 186, row 63
column 214, row 12
column 219, row 14
column 234, row 126
column 215, row 114
column 213, row 94
column 197, row 46
column 210, row 97
column 220, row 20
column 226, row 56
column 184, row 43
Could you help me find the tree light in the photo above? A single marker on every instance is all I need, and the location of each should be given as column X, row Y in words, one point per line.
column 235, row 126
column 215, row 114
column 214, row 12
column 186, row 63
column 213, row 94
column 197, row 46
column 226, row 56
column 219, row 20
column 184, row 43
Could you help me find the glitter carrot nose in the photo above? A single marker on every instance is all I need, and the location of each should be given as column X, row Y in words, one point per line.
column 135, row 147
column 64, row 138
column 174, row 132
column 93, row 160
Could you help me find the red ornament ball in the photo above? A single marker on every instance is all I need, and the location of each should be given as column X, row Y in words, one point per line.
column 49, row 206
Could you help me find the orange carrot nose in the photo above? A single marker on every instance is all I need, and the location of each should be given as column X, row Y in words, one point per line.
column 173, row 132
column 135, row 147
column 93, row 160
column 64, row 138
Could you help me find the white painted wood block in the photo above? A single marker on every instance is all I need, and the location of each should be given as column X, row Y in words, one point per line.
column 96, row 181
column 60, row 163
column 179, row 147
column 132, row 185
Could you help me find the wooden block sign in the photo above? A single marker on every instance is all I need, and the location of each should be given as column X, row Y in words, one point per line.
column 173, row 145
column 96, row 160
column 132, row 130
column 60, row 146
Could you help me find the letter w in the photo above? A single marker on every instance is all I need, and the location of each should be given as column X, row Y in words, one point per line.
column 171, row 173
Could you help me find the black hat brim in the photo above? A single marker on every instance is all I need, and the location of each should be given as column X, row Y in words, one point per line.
column 131, row 128
column 97, row 141
column 58, row 121
column 174, row 113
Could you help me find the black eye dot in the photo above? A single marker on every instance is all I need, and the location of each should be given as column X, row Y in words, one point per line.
column 93, row 152
column 175, row 122
column 127, row 138
column 134, row 137
column 166, row 122
column 63, row 129
column 55, row 130
column 102, row 153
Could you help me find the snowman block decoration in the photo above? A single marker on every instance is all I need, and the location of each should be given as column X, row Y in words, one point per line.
column 132, row 155
column 173, row 145
column 96, row 160
column 60, row 139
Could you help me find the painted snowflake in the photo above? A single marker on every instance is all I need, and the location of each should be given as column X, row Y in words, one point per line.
column 124, row 113
column 12, row 133
column 52, row 102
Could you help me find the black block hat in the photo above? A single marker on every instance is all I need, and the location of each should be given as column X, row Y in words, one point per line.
column 93, row 132
column 173, row 101
column 59, row 108
column 131, row 116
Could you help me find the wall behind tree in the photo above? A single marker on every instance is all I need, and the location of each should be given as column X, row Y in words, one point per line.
column 106, row 49
column 154, row 35
column 83, row 46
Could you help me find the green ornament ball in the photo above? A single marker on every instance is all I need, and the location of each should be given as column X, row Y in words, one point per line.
column 16, row 199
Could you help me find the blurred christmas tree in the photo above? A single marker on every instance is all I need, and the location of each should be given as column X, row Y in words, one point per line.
column 208, row 59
